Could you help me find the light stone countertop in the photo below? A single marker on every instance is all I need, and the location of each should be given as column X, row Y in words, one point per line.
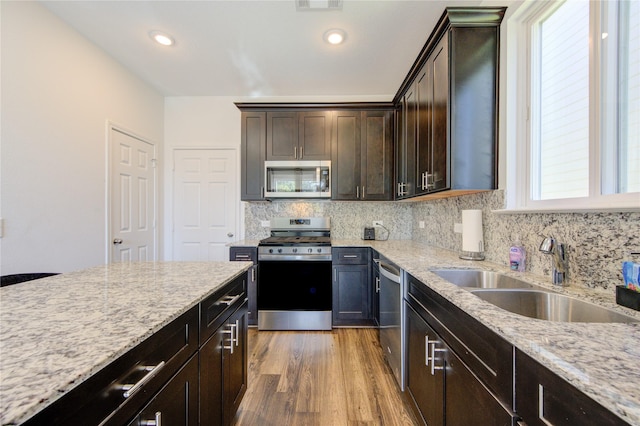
column 601, row 360
column 58, row 331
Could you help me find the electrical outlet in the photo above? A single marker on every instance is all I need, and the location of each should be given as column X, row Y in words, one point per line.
column 421, row 224
column 265, row 223
column 377, row 223
column 457, row 228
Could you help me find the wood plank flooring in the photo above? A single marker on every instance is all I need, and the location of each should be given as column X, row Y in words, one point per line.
column 323, row 378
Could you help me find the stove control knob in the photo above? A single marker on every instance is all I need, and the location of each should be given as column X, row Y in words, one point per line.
column 270, row 250
column 310, row 250
column 295, row 250
column 279, row 250
column 319, row 250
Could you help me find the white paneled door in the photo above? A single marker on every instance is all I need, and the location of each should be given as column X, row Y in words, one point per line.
column 133, row 201
column 205, row 203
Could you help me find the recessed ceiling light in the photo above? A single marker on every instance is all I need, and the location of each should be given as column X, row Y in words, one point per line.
column 162, row 38
column 335, row 36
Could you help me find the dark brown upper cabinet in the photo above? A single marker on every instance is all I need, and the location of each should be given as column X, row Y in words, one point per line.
column 361, row 161
column 298, row 135
column 448, row 107
column 252, row 150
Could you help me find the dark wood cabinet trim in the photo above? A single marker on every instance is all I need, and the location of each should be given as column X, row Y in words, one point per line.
column 301, row 106
column 452, row 17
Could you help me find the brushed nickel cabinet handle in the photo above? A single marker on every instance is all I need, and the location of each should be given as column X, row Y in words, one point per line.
column 155, row 422
column 152, row 371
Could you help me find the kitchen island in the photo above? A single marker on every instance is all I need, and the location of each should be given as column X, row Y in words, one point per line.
column 57, row 332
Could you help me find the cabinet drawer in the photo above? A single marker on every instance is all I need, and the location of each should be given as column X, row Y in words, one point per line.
column 149, row 365
column 247, row 254
column 215, row 309
column 543, row 398
column 177, row 402
column 351, row 255
column 486, row 353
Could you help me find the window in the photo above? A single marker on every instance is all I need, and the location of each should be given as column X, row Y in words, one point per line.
column 577, row 68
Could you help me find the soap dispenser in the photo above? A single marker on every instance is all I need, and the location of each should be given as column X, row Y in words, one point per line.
column 517, row 256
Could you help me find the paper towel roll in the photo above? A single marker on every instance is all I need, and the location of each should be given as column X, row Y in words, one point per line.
column 472, row 240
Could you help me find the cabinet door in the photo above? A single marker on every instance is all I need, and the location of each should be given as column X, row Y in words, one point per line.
column 236, row 368
column 252, row 295
column 376, row 155
column 346, row 153
column 314, row 135
column 211, row 378
column 177, row 402
column 424, row 128
column 282, row 135
column 375, row 284
column 253, row 153
column 407, row 146
column 463, row 390
column 425, row 388
column 439, row 61
column 351, row 295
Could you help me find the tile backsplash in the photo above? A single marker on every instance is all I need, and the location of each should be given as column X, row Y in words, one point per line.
column 348, row 219
column 597, row 243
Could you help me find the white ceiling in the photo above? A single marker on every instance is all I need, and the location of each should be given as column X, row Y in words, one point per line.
column 261, row 48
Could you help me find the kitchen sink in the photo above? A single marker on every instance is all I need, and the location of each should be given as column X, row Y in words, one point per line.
column 473, row 278
column 550, row 306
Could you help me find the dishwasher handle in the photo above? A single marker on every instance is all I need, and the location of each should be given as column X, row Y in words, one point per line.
column 389, row 272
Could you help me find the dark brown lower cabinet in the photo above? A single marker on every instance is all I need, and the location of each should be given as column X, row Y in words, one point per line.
column 442, row 388
column 543, row 398
column 223, row 370
column 177, row 402
column 426, row 389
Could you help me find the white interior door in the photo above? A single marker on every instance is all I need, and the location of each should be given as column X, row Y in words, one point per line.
column 133, row 199
column 205, row 203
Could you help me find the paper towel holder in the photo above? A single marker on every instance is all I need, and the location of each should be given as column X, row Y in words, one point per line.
column 473, row 255
column 472, row 238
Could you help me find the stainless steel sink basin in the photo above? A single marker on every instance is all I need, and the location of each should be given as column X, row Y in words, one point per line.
column 550, row 306
column 472, row 278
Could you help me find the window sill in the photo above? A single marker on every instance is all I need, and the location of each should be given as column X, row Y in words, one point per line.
column 566, row 210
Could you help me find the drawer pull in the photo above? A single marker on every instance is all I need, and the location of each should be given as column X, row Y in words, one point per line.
column 433, row 357
column 231, row 332
column 350, row 256
column 230, row 300
column 243, row 256
column 156, row 422
column 152, row 371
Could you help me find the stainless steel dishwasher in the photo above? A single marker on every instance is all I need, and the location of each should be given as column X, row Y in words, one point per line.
column 391, row 338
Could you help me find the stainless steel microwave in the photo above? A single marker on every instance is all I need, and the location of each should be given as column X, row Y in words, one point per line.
column 297, row 179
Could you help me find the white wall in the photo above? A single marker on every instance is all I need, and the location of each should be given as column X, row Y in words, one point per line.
column 58, row 91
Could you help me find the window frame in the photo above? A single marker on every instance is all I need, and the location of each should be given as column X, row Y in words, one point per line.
column 518, row 119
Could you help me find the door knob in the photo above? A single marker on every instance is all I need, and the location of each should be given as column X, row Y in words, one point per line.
column 117, row 241
column 230, row 234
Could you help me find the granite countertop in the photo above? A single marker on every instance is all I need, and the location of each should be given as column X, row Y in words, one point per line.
column 602, row 360
column 56, row 332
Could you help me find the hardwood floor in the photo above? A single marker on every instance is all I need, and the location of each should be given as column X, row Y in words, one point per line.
column 323, row 378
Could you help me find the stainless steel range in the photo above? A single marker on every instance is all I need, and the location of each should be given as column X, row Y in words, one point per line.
column 294, row 275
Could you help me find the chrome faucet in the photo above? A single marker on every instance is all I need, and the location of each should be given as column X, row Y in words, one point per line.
column 560, row 266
